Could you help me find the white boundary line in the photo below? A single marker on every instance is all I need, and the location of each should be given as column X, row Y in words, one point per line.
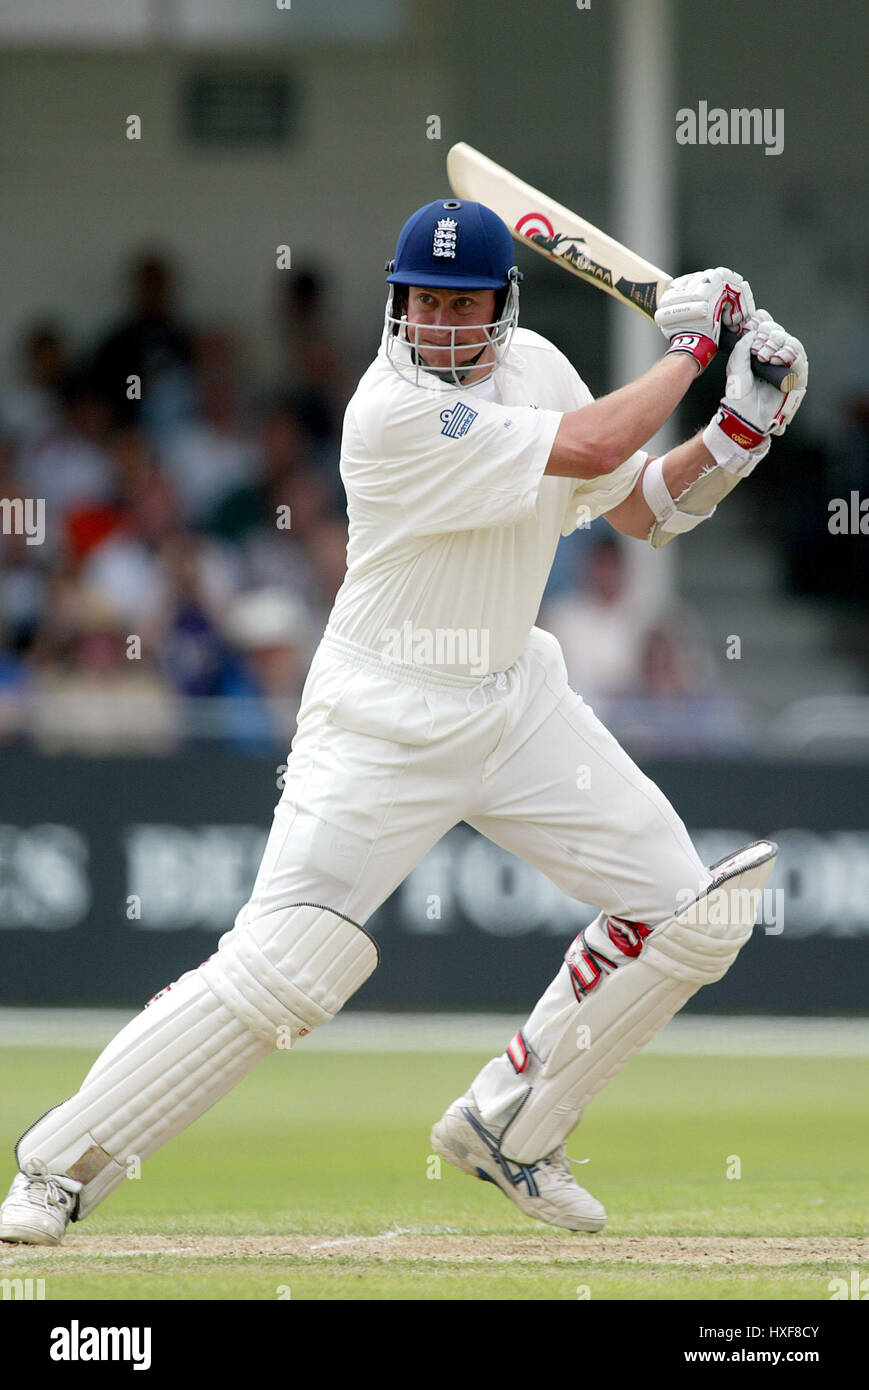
column 703, row 1035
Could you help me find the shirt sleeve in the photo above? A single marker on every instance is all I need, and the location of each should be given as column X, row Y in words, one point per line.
column 447, row 462
column 591, row 497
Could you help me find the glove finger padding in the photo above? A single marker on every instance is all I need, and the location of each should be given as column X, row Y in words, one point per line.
column 772, row 343
column 704, row 300
column 736, row 301
column 756, row 403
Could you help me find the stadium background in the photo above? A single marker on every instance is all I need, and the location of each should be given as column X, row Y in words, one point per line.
column 140, row 779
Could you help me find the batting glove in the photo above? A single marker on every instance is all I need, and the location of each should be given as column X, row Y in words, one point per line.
column 693, row 308
column 753, row 409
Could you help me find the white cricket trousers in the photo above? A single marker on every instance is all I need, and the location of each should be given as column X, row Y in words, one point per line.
column 388, row 757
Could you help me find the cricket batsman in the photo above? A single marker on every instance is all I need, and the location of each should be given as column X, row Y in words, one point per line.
column 469, row 448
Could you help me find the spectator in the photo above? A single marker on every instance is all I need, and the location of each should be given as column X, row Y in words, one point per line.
column 119, row 562
column 272, row 631
column 15, row 690
column 211, row 455
column 270, row 517
column 316, row 369
column 33, row 406
column 326, row 547
column 675, row 708
column 600, row 629
column 92, row 698
column 150, row 343
column 195, row 586
column 68, row 467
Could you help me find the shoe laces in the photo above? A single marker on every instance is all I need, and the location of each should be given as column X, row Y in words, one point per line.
column 558, row 1164
column 52, row 1195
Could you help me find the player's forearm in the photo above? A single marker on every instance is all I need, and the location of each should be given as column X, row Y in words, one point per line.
column 679, row 491
column 681, row 467
column 600, row 436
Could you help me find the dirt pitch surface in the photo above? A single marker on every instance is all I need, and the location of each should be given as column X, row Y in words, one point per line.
column 455, row 1248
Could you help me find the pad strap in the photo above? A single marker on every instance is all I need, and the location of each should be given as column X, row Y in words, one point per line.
column 671, row 517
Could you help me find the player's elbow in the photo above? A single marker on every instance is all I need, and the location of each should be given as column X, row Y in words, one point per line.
column 581, row 453
column 604, row 456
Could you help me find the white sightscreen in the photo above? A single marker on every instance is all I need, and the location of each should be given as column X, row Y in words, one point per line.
column 92, row 23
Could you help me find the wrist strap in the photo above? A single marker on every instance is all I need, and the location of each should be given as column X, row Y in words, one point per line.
column 737, row 429
column 723, row 438
column 697, row 345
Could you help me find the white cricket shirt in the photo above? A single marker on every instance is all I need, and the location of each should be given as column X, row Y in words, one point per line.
column 452, row 525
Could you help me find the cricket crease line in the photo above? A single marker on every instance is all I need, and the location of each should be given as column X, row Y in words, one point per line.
column 362, row 1240
column 69, row 1252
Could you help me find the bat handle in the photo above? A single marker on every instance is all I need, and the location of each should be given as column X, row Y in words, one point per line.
column 767, row 371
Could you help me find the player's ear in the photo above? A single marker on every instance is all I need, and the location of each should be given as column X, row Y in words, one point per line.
column 397, row 306
column 514, row 278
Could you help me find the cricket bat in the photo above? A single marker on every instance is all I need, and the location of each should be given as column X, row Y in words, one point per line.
column 574, row 244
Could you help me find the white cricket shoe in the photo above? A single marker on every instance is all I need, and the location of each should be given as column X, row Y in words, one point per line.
column 545, row 1190
column 38, row 1209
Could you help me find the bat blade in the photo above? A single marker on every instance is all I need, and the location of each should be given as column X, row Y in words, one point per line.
column 556, row 232
column 579, row 247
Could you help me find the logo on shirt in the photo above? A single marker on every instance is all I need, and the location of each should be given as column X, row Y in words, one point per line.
column 458, row 420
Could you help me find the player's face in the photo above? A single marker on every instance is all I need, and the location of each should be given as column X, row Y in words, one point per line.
column 437, row 312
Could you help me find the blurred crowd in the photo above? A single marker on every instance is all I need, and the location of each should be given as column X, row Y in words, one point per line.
column 195, row 537
column 195, row 527
column 646, row 670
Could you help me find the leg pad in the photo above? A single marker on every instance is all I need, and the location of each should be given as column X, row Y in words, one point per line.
column 271, row 979
column 600, row 1018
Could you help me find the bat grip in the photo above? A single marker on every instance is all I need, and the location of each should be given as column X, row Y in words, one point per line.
column 767, row 371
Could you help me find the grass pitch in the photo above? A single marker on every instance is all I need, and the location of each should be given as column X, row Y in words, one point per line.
column 724, row 1178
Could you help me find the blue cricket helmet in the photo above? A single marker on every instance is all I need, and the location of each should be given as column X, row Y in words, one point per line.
column 455, row 244
column 452, row 245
